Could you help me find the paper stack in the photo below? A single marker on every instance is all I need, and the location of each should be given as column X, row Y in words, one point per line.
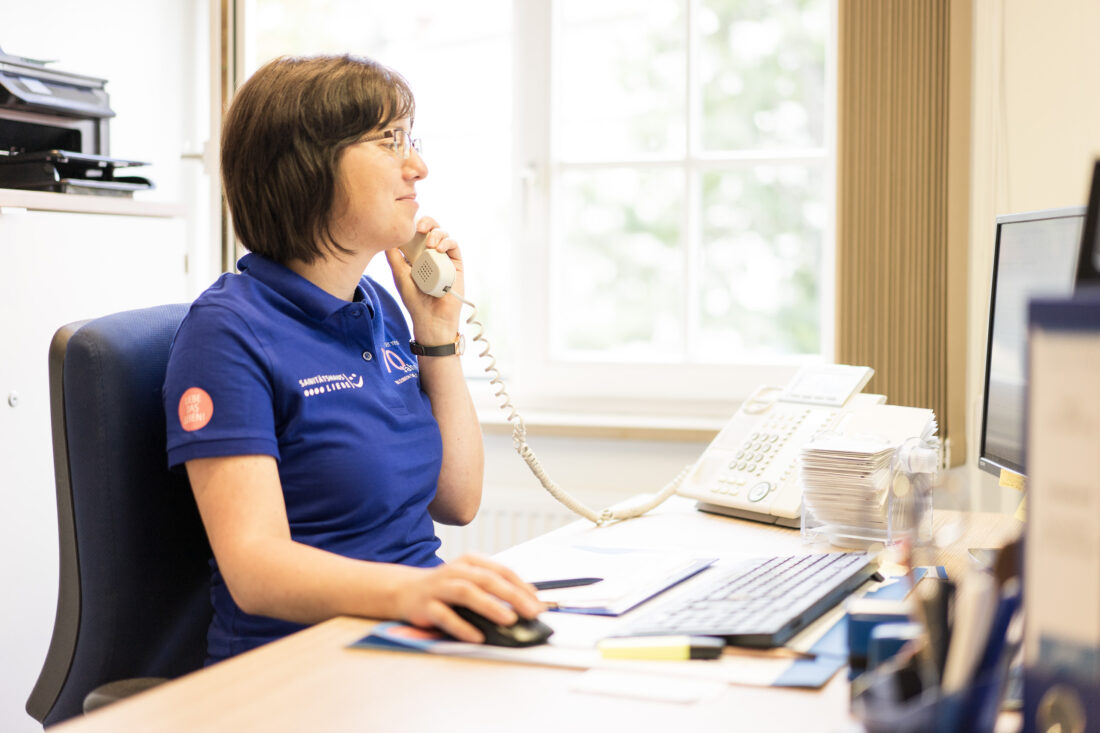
column 850, row 490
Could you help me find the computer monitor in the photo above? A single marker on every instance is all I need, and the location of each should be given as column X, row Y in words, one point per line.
column 1036, row 254
column 1088, row 262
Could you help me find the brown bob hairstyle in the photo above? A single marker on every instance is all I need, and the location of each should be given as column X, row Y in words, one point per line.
column 281, row 143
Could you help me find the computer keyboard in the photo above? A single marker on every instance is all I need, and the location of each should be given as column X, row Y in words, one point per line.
column 761, row 602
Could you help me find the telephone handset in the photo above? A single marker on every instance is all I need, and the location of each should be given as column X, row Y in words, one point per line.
column 750, row 468
column 432, row 271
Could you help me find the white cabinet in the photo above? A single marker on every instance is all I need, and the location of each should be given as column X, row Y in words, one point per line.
column 57, row 267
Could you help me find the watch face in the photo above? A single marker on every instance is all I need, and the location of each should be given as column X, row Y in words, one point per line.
column 460, row 345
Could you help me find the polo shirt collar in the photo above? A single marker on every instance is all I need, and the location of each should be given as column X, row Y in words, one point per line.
column 314, row 302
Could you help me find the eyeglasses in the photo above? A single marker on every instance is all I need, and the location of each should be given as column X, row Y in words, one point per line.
column 399, row 142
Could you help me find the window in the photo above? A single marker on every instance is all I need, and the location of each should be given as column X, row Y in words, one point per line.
column 688, row 195
column 643, row 190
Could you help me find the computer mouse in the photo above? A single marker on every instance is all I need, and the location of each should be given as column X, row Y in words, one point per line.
column 524, row 632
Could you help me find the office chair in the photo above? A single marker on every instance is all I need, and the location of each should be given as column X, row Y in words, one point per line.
column 133, row 599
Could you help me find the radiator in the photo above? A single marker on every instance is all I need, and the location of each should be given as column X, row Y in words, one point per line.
column 501, row 525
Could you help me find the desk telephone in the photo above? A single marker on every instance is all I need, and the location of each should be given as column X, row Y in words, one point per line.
column 747, row 471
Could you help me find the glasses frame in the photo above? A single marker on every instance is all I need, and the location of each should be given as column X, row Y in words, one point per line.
column 402, row 143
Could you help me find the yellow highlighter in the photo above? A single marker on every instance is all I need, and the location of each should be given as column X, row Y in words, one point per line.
column 673, row 648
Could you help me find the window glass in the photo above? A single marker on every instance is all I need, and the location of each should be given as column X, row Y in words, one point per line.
column 762, row 73
column 620, row 272
column 762, row 230
column 620, row 67
column 691, row 171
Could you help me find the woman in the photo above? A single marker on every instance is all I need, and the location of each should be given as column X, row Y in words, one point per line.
column 319, row 448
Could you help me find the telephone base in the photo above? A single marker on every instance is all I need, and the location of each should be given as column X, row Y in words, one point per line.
column 794, row 522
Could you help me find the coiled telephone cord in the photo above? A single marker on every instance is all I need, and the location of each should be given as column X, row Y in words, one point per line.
column 519, row 442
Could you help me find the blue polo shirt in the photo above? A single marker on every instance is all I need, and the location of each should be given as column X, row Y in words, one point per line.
column 267, row 363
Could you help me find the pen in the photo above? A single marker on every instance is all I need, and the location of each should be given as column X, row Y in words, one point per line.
column 564, row 583
column 661, row 647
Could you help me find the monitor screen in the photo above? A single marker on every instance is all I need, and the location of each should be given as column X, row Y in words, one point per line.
column 1036, row 254
column 1088, row 263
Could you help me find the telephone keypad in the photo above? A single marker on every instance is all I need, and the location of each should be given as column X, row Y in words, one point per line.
column 750, row 463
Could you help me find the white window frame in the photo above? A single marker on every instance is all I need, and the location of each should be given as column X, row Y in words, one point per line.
column 545, row 381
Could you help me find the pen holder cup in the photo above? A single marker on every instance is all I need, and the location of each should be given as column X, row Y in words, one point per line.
column 970, row 710
column 895, row 506
column 916, row 715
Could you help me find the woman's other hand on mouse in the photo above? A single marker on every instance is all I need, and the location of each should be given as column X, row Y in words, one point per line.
column 491, row 589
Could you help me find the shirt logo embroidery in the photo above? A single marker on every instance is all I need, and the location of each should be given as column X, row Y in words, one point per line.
column 394, row 362
column 323, row 383
column 195, row 409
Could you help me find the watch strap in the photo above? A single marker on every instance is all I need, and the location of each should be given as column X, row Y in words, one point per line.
column 445, row 350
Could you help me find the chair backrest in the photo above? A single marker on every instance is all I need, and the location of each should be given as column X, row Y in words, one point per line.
column 133, row 597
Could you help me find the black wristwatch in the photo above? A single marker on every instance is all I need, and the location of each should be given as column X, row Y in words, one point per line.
column 457, row 347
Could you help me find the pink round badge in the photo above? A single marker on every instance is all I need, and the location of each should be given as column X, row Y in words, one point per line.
column 196, row 409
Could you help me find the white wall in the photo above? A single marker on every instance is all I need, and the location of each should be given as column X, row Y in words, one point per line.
column 1036, row 132
column 597, row 472
column 60, row 267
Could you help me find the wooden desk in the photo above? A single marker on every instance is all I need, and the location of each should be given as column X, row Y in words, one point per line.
column 312, row 682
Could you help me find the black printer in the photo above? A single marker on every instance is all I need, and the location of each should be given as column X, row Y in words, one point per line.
column 54, row 132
